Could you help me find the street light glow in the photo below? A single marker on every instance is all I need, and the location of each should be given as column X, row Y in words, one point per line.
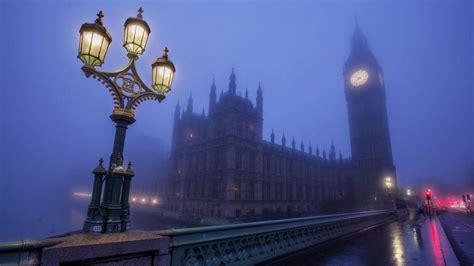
column 82, row 194
column 94, row 42
column 162, row 73
column 136, row 34
column 388, row 182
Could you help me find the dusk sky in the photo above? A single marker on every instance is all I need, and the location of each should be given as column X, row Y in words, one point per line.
column 55, row 123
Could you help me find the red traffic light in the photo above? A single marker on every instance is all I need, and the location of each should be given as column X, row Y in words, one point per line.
column 428, row 194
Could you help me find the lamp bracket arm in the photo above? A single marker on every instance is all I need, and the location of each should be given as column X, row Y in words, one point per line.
column 130, row 66
column 139, row 79
column 133, row 103
column 103, row 77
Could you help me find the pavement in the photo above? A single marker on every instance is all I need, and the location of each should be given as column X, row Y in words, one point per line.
column 459, row 228
column 415, row 241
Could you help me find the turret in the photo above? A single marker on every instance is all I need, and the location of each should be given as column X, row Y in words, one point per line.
column 259, row 100
column 212, row 97
column 283, row 141
column 189, row 107
column 177, row 116
column 232, row 83
column 177, row 113
column 293, row 143
column 332, row 152
column 272, row 137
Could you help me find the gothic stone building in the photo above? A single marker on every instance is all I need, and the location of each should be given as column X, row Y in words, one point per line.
column 221, row 166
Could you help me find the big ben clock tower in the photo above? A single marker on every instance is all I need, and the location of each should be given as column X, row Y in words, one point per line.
column 368, row 123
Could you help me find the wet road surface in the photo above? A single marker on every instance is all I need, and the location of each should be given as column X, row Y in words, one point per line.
column 415, row 241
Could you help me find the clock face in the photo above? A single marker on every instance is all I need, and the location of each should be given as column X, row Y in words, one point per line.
column 359, row 78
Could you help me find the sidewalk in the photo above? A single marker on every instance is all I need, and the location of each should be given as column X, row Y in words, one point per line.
column 459, row 228
column 437, row 248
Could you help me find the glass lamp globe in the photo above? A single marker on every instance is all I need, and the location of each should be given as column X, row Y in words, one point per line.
column 136, row 34
column 94, row 42
column 162, row 73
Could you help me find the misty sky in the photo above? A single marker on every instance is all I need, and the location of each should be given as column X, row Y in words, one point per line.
column 55, row 122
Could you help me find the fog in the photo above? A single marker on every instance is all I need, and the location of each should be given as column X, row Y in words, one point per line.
column 55, row 123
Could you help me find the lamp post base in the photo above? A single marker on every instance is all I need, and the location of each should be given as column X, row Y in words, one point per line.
column 93, row 226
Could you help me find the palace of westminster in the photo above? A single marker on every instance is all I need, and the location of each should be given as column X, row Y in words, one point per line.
column 221, row 167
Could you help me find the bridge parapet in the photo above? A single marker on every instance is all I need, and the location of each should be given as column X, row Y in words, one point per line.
column 250, row 243
column 234, row 244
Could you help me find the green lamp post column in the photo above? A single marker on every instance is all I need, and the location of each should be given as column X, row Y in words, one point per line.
column 125, row 218
column 128, row 91
column 94, row 220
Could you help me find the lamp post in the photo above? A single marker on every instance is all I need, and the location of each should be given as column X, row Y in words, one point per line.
column 109, row 209
column 388, row 186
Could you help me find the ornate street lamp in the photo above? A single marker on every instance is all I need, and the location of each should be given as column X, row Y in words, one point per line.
column 94, row 42
column 136, row 34
column 388, row 185
column 128, row 91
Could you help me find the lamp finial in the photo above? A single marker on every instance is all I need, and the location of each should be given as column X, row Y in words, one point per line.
column 165, row 52
column 100, row 15
column 140, row 13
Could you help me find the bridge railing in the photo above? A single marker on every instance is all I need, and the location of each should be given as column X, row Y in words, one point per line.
column 250, row 243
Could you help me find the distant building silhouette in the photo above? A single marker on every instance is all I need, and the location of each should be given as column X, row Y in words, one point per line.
column 222, row 167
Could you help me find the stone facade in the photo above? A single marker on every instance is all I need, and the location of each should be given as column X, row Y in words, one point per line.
column 221, row 166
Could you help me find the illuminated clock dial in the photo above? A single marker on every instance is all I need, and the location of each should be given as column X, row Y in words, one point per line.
column 359, row 78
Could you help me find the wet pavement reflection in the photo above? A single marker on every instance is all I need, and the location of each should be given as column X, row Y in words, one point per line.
column 414, row 241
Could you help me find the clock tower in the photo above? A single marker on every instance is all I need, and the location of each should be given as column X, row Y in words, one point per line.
column 368, row 123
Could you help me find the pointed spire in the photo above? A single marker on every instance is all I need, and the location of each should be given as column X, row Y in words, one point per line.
column 272, row 137
column 178, row 107
column 302, row 146
column 340, row 156
column 203, row 114
column 324, row 153
column 189, row 107
column 317, row 151
column 213, row 86
column 177, row 111
column 232, row 82
column 246, row 93
column 332, row 151
column 212, row 97
column 359, row 41
column 259, row 100
column 283, row 140
column 310, row 148
column 293, row 143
